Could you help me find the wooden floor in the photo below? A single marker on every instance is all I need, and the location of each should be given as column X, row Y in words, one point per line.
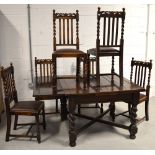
column 98, row 136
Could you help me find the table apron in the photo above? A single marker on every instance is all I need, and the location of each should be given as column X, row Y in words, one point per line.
column 88, row 99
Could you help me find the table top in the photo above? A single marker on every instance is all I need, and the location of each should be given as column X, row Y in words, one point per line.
column 69, row 86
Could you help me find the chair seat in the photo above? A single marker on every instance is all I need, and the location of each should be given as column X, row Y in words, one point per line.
column 142, row 98
column 104, row 51
column 27, row 107
column 67, row 52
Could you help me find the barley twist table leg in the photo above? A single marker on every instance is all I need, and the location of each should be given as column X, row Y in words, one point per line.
column 72, row 130
column 133, row 127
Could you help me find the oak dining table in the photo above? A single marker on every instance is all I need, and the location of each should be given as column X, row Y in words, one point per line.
column 72, row 92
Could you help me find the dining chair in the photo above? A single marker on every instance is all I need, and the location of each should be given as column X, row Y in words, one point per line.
column 44, row 75
column 66, row 41
column 20, row 108
column 92, row 64
column 140, row 75
column 110, row 39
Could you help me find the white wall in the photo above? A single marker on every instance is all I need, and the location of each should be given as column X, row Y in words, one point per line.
column 151, row 46
column 14, row 43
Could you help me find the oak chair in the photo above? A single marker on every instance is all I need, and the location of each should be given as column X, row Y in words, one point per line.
column 140, row 75
column 66, row 41
column 19, row 108
column 92, row 63
column 110, row 39
column 44, row 75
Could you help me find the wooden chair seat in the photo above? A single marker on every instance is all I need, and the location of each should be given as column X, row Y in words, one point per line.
column 27, row 107
column 142, row 98
column 67, row 52
column 104, row 51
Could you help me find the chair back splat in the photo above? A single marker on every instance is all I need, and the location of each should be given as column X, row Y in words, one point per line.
column 110, row 25
column 65, row 29
column 10, row 92
column 43, row 70
column 141, row 73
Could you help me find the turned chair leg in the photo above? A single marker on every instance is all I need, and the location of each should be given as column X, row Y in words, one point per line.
column 121, row 69
column 147, row 110
column 8, row 128
column 15, row 122
column 44, row 121
column 37, row 128
column 112, row 66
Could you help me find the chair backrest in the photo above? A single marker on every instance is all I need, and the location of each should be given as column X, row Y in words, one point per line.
column 110, row 25
column 43, row 70
column 65, row 29
column 141, row 73
column 10, row 92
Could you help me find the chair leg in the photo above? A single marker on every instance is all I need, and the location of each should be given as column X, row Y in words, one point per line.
column 147, row 110
column 54, row 69
column 15, row 122
column 101, row 109
column 129, row 108
column 78, row 67
column 112, row 70
column 8, row 128
column 97, row 70
column 79, row 109
column 96, row 105
column 112, row 110
column 37, row 128
column 112, row 66
column 44, row 121
column 56, row 106
column 121, row 69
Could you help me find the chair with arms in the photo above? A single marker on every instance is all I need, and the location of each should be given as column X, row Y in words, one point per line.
column 140, row 75
column 110, row 40
column 65, row 37
column 44, row 74
column 22, row 108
